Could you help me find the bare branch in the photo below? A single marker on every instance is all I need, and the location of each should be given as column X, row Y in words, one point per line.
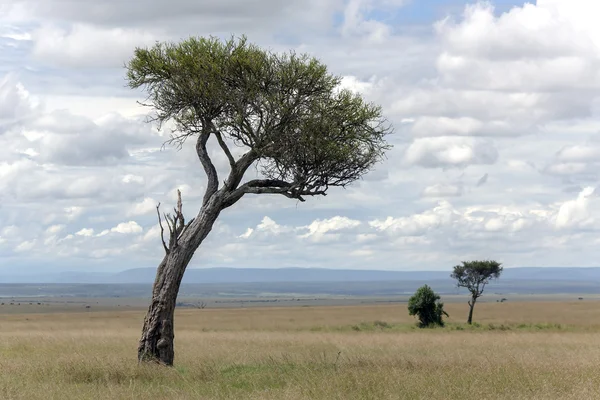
column 169, row 221
column 162, row 230
column 175, row 223
column 179, row 205
column 179, row 222
column 225, row 148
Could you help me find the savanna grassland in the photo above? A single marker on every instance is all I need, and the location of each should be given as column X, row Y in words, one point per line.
column 527, row 350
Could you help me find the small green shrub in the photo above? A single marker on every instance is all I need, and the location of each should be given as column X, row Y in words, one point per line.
column 426, row 306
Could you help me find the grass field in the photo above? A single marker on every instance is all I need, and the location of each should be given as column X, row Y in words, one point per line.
column 532, row 350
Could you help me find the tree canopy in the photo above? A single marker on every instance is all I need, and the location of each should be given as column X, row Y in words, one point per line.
column 475, row 275
column 303, row 131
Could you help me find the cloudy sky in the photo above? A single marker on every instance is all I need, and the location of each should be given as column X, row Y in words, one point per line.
column 496, row 108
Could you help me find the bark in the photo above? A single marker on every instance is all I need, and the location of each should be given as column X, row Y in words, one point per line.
column 157, row 341
column 471, row 307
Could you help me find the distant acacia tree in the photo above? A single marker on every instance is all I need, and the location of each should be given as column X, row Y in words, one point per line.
column 284, row 112
column 426, row 306
column 475, row 275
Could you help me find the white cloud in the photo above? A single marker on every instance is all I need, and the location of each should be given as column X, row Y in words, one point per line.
column 247, row 234
column 505, row 224
column 134, row 178
column 419, row 224
column 86, row 45
column 576, row 153
column 352, row 83
column 447, row 151
column 464, row 126
column 16, row 103
column 25, row 246
column 55, row 229
column 146, row 206
column 319, row 229
column 358, row 24
column 127, row 227
column 575, row 211
column 442, row 190
column 544, row 46
column 547, row 46
column 224, row 16
column 63, row 138
column 268, row 226
column 496, row 116
column 153, row 234
column 88, row 232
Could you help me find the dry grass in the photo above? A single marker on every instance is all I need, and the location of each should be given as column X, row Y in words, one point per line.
column 533, row 351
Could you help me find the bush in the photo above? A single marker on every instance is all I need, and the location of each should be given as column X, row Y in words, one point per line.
column 381, row 324
column 426, row 306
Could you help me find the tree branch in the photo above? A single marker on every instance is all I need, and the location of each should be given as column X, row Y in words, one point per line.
column 239, row 169
column 179, row 213
column 224, row 148
column 184, row 228
column 162, row 230
column 293, row 190
column 482, row 288
column 175, row 223
column 209, row 168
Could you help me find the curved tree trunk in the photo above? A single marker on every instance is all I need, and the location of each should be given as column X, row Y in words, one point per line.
column 157, row 341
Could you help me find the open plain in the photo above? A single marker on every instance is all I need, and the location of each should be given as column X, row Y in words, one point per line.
column 517, row 350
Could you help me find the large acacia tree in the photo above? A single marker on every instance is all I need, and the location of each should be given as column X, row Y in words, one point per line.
column 285, row 111
column 475, row 275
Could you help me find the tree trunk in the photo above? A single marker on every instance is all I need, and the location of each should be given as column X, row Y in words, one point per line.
column 157, row 341
column 471, row 307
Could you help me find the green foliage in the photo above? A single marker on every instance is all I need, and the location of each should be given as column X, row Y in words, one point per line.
column 474, row 275
column 286, row 109
column 426, row 306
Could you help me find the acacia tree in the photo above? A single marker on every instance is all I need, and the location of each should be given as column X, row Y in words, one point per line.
column 286, row 115
column 474, row 275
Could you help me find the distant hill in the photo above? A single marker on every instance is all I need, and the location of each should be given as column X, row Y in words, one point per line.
column 265, row 275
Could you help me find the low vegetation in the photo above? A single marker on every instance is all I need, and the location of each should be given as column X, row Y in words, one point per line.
column 520, row 350
column 426, row 305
